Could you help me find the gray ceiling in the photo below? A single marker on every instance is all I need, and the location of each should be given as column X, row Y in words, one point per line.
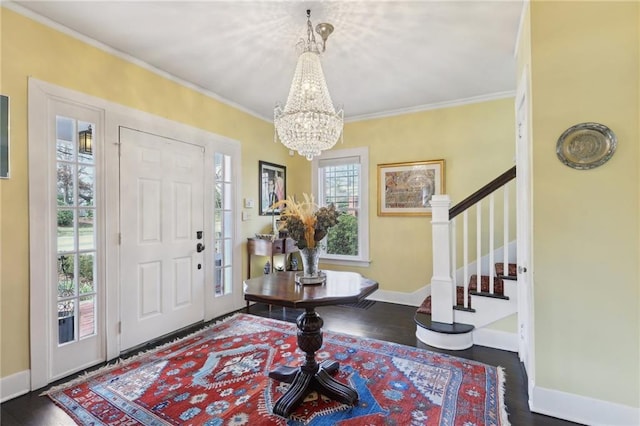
column 384, row 57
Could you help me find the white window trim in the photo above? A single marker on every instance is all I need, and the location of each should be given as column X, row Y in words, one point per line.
column 363, row 223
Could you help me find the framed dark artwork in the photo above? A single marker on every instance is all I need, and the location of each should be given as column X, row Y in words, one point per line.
column 405, row 189
column 272, row 187
column 4, row 136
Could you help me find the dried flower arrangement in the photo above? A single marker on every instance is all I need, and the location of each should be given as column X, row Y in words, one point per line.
column 305, row 222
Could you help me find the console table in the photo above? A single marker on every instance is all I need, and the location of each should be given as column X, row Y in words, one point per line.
column 264, row 247
column 280, row 289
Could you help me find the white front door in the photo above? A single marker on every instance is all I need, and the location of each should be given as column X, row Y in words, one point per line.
column 161, row 213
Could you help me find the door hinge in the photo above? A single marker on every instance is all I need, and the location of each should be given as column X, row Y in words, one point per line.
column 119, row 327
column 119, row 238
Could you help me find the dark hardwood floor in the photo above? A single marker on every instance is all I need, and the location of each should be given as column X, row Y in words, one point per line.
column 384, row 321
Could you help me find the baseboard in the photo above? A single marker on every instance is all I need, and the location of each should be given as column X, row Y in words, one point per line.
column 582, row 409
column 496, row 339
column 410, row 299
column 15, row 385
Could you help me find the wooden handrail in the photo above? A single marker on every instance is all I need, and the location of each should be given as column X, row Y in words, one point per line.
column 482, row 192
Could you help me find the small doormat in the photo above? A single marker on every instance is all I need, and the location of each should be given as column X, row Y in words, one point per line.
column 218, row 376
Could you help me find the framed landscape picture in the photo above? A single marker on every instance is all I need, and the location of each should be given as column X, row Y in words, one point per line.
column 272, row 187
column 405, row 189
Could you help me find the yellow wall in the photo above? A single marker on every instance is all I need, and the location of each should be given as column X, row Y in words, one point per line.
column 585, row 63
column 475, row 140
column 585, row 67
column 38, row 51
column 477, row 143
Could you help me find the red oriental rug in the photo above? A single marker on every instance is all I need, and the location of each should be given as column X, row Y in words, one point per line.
column 218, row 376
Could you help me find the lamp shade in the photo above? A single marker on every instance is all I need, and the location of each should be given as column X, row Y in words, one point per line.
column 85, row 141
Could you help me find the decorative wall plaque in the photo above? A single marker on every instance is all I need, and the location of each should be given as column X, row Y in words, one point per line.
column 586, row 145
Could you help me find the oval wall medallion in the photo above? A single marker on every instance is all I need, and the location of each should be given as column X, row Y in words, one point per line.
column 586, row 145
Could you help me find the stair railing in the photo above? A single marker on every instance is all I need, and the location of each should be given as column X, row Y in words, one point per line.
column 443, row 282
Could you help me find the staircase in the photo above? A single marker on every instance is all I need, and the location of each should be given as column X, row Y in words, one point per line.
column 453, row 313
column 499, row 289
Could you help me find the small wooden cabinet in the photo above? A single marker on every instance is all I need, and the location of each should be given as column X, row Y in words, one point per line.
column 263, row 247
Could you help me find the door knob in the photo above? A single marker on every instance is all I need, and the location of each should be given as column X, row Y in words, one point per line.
column 522, row 269
column 199, row 247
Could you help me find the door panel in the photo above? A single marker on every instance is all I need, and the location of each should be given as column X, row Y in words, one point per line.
column 161, row 193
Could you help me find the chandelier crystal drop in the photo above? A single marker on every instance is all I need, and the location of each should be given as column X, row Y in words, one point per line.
column 309, row 123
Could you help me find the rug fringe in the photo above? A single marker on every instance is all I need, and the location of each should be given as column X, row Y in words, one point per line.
column 504, row 416
column 122, row 362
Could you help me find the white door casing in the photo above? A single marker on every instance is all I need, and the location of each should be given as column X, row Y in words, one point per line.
column 524, row 228
column 50, row 359
column 161, row 210
column 42, row 236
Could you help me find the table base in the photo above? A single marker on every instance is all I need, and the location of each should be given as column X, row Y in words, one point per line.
column 302, row 383
column 311, row 376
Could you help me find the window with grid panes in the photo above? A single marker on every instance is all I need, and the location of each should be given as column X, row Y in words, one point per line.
column 341, row 178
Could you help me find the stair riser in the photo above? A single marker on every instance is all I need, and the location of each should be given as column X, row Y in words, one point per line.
column 510, row 291
column 488, row 309
column 453, row 342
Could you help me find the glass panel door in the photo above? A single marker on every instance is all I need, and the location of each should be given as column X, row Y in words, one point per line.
column 76, row 236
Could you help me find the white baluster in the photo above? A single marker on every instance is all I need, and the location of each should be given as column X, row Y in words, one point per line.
column 465, row 255
column 491, row 242
column 505, row 260
column 478, row 245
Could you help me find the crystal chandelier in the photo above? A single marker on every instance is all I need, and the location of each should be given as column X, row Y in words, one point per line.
column 309, row 123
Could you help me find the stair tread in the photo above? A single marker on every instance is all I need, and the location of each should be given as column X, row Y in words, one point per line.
column 425, row 307
column 508, row 277
column 498, row 289
column 462, row 308
column 424, row 321
column 487, row 294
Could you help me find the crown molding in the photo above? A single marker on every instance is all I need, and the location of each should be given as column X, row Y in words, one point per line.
column 117, row 53
column 438, row 105
column 110, row 50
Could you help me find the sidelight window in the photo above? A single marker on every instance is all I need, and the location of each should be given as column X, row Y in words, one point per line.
column 223, row 225
column 76, row 230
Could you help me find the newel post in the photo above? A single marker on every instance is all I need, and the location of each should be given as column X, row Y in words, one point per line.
column 442, row 291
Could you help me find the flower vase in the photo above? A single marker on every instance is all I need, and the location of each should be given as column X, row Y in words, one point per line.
column 310, row 274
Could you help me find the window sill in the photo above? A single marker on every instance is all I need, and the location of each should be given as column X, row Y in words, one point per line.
column 346, row 262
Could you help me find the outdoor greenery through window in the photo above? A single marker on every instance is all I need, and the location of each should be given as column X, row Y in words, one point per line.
column 341, row 187
column 76, row 244
column 340, row 181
